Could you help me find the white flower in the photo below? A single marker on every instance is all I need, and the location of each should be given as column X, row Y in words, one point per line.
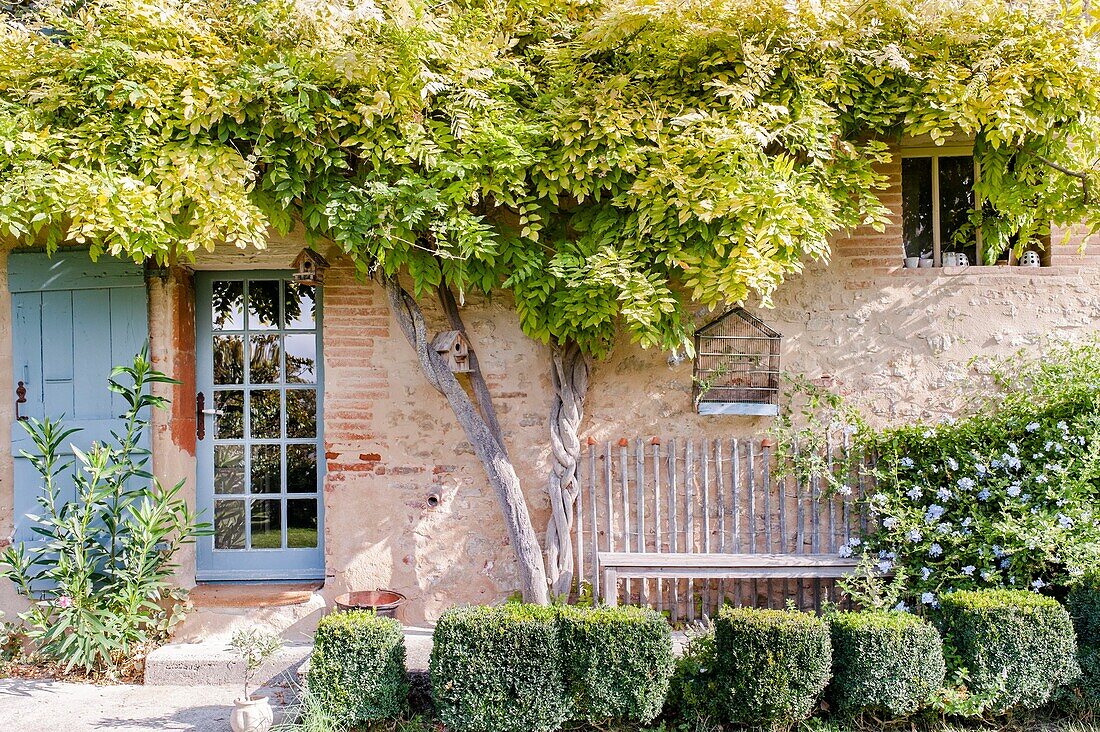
column 945, row 495
column 1033, row 427
column 968, row 570
column 952, row 464
column 906, row 462
column 845, row 551
column 967, row 521
column 998, row 551
column 901, row 607
column 927, row 598
column 983, row 494
column 1038, row 584
column 928, row 434
column 1063, row 426
column 935, row 550
column 1012, row 447
column 1064, row 521
column 854, row 541
column 981, row 469
column 914, row 493
column 914, row 536
column 925, row 573
column 1041, row 478
column 933, row 514
column 966, row 484
column 1013, row 490
column 987, row 576
column 1014, row 463
column 890, row 522
column 885, row 566
column 844, row 490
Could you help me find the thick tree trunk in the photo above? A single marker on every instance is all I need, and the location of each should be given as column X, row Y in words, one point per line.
column 488, row 447
column 570, row 376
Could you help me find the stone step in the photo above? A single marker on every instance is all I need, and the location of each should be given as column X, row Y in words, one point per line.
column 213, row 663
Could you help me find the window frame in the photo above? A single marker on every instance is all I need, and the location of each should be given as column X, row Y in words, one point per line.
column 935, row 152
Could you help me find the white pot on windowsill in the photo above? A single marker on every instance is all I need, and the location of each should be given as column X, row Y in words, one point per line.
column 251, row 715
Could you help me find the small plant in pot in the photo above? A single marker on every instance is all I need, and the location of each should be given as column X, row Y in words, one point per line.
column 252, row 714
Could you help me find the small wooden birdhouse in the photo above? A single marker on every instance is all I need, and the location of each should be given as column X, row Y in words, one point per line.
column 310, row 268
column 454, row 349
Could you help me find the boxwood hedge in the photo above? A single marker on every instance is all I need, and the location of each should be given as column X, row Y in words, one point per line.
column 1017, row 646
column 1084, row 607
column 617, row 662
column 883, row 663
column 498, row 669
column 357, row 668
column 771, row 665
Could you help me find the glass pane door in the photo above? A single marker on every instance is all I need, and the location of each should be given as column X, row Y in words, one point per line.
column 259, row 468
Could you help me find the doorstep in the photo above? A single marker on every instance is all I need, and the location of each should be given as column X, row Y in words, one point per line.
column 251, row 595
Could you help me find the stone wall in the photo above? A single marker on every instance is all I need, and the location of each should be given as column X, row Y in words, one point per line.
column 899, row 342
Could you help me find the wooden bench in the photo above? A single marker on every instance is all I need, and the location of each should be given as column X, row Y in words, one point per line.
column 680, row 565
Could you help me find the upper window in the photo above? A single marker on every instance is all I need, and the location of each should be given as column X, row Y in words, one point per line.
column 937, row 196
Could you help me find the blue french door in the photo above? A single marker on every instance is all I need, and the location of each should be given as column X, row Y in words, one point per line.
column 73, row 320
column 260, row 447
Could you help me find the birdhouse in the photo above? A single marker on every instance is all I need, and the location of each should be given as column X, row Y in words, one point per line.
column 310, row 268
column 454, row 349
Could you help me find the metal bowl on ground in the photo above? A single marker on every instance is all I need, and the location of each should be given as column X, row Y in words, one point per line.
column 382, row 602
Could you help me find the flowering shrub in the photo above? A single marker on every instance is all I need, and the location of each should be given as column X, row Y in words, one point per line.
column 1006, row 497
column 101, row 574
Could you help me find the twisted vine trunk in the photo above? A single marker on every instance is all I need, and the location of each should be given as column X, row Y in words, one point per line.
column 570, row 377
column 481, row 430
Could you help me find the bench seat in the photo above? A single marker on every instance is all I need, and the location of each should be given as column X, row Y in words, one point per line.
column 682, row 565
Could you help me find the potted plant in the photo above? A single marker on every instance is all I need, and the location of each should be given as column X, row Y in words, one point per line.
column 252, row 713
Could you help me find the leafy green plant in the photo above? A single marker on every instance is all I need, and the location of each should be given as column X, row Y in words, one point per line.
column 101, row 575
column 254, row 647
column 772, row 665
column 694, row 693
column 616, row 662
column 499, row 669
column 1017, row 647
column 357, row 668
column 883, row 662
column 1083, row 604
column 816, row 435
column 1005, row 496
column 872, row 589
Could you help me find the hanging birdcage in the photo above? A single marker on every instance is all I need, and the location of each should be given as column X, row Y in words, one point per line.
column 737, row 366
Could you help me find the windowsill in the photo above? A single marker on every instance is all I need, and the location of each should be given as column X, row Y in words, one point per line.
column 984, row 270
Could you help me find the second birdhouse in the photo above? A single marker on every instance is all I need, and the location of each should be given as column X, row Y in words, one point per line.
column 454, row 349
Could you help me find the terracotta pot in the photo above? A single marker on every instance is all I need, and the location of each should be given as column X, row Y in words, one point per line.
column 251, row 715
column 382, row 602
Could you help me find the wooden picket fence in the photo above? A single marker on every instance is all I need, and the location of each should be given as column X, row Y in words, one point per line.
column 701, row 495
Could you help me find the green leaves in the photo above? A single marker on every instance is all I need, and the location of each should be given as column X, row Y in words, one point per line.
column 606, row 164
column 101, row 570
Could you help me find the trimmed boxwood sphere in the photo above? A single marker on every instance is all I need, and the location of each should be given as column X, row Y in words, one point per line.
column 357, row 668
column 771, row 665
column 883, row 662
column 498, row 669
column 1018, row 646
column 617, row 662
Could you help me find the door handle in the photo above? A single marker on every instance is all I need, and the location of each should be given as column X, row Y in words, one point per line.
column 201, row 413
column 20, row 398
